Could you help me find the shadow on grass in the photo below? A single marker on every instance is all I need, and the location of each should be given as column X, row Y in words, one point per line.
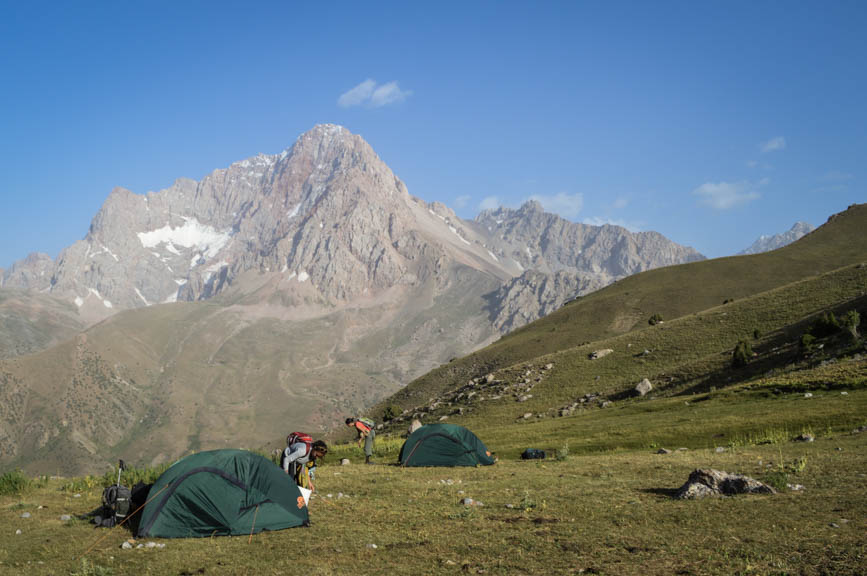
column 662, row 493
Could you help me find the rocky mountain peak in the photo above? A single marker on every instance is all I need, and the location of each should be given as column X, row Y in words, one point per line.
column 772, row 242
column 329, row 222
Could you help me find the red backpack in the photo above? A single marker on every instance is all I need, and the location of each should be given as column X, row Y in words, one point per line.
column 296, row 437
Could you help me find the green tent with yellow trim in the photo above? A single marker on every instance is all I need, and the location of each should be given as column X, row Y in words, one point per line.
column 222, row 492
column 444, row 445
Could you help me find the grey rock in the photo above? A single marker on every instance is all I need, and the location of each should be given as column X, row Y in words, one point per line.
column 18, row 532
column 596, row 355
column 414, row 425
column 643, row 387
column 606, row 404
column 709, row 482
column 126, row 546
column 344, row 462
column 548, row 366
column 65, row 518
column 805, row 438
column 795, row 487
column 663, row 451
column 25, row 515
column 527, row 415
column 719, row 449
column 443, row 418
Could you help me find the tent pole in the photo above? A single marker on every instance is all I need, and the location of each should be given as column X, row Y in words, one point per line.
column 253, row 527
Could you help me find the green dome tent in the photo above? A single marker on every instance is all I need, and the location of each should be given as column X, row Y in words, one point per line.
column 444, row 445
column 222, row 492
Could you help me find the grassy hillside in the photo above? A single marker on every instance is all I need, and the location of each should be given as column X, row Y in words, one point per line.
column 672, row 292
column 33, row 322
column 150, row 385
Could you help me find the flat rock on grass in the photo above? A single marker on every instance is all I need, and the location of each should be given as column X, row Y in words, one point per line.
column 709, row 482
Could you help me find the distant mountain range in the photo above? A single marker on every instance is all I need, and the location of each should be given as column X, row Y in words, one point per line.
column 284, row 290
column 768, row 243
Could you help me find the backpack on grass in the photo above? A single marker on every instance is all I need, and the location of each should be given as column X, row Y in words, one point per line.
column 533, row 454
column 116, row 504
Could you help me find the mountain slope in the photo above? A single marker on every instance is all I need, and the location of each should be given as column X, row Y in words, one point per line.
column 280, row 292
column 32, row 322
column 673, row 292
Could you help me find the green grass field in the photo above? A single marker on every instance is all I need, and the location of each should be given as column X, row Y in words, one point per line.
column 607, row 508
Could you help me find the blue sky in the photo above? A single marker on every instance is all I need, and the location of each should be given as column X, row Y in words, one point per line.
column 712, row 123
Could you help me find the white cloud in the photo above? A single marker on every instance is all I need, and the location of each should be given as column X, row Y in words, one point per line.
column 777, row 143
column 566, row 205
column 620, row 203
column 388, row 94
column 489, row 203
column 371, row 95
column 357, row 95
column 726, row 195
column 462, row 201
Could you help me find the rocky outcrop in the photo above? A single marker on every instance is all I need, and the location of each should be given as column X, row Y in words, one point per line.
column 533, row 295
column 547, row 243
column 709, row 482
column 768, row 243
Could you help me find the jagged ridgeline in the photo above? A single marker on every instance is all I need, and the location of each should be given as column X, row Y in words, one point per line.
column 287, row 288
column 676, row 326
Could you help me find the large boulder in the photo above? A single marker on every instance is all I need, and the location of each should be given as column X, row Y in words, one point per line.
column 643, row 387
column 709, row 482
column 601, row 353
column 415, row 425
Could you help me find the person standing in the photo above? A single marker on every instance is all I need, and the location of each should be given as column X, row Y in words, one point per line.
column 364, row 427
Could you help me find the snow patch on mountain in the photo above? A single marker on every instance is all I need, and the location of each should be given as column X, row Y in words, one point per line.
column 192, row 234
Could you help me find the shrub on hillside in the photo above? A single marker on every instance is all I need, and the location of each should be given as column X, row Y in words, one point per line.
column 13, row 482
column 827, row 325
column 808, row 343
column 655, row 319
column 742, row 354
column 391, row 412
column 851, row 321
